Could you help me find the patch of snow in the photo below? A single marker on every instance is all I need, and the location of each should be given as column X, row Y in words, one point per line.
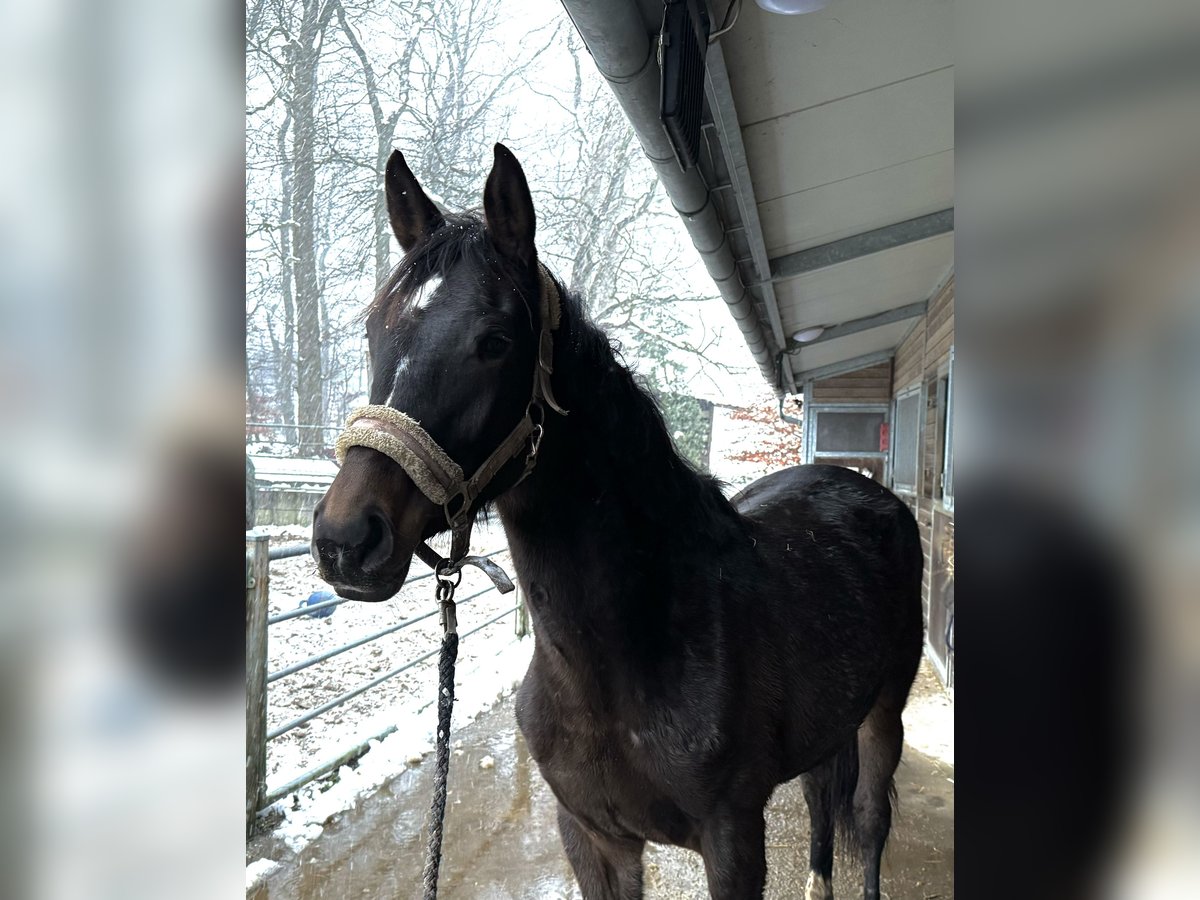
column 274, row 468
column 306, row 812
column 929, row 716
column 257, row 871
column 292, row 532
column 491, row 663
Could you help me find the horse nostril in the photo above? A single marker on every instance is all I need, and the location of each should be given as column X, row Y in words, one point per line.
column 346, row 548
column 339, row 542
column 377, row 547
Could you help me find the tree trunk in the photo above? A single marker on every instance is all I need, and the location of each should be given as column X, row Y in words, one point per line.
column 285, row 357
column 385, row 132
column 383, row 229
column 306, row 55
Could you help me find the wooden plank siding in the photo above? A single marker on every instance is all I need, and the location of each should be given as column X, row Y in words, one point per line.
column 910, row 358
column 923, row 357
column 869, row 385
column 933, row 438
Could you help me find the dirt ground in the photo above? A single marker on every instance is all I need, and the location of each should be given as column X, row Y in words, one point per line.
column 501, row 839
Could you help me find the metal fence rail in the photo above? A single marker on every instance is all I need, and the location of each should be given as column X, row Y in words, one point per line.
column 258, row 557
column 289, row 550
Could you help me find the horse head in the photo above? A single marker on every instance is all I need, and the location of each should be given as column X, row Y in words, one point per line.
column 453, row 335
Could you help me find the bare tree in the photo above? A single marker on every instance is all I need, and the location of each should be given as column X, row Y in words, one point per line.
column 285, row 40
column 612, row 230
column 333, row 86
column 387, row 96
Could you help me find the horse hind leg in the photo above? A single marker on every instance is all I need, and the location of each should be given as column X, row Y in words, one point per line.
column 880, row 740
column 822, row 785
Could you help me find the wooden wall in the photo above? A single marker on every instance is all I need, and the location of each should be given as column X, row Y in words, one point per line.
column 921, row 360
column 910, row 357
column 923, row 357
column 939, row 327
column 873, row 384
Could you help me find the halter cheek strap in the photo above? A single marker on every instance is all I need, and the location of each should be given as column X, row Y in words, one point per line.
column 403, row 440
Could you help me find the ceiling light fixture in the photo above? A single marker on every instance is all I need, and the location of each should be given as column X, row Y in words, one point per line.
column 792, row 7
column 807, row 335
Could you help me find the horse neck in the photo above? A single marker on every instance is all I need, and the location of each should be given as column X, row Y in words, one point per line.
column 610, row 503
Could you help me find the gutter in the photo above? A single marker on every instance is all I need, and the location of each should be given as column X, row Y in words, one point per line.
column 624, row 52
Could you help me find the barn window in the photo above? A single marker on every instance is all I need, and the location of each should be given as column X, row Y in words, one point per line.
column 948, row 458
column 906, row 441
column 850, row 435
column 857, row 432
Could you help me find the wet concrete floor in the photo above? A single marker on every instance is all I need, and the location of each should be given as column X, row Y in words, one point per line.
column 501, row 838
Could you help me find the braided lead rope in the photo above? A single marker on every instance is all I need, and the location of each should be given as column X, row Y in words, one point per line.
column 439, row 478
column 446, row 660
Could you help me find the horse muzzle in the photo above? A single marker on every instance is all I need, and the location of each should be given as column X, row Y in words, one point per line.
column 366, row 527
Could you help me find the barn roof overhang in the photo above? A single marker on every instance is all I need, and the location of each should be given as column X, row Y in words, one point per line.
column 824, row 193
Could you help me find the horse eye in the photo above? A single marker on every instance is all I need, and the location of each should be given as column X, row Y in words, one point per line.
column 494, row 345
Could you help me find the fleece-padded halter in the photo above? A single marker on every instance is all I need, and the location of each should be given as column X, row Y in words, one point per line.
column 403, row 440
column 399, row 437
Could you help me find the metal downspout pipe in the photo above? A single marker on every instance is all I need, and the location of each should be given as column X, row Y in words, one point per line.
column 616, row 36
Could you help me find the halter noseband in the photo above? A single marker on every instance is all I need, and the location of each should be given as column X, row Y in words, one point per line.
column 439, row 477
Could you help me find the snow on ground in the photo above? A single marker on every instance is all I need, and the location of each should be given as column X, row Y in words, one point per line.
column 491, row 663
column 257, row 871
column 929, row 716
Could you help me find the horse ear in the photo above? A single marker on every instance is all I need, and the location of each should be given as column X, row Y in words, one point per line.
column 508, row 208
column 412, row 214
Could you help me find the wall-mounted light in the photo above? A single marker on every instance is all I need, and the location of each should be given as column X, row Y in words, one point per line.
column 805, row 335
column 791, row 7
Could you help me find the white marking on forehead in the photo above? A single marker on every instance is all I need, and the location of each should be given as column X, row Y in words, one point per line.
column 401, row 368
column 419, row 299
column 422, row 295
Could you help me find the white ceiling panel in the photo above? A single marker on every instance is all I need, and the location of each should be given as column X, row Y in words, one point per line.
column 854, row 205
column 865, row 286
column 864, row 133
column 786, row 63
column 886, row 337
column 846, row 120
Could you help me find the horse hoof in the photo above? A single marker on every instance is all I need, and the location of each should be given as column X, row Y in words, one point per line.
column 818, row 888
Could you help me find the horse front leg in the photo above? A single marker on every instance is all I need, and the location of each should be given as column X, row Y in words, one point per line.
column 733, row 844
column 606, row 868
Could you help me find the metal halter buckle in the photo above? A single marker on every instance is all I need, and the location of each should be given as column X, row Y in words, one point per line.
column 454, row 518
column 449, row 576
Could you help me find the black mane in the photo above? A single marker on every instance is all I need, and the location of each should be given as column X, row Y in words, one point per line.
column 628, row 422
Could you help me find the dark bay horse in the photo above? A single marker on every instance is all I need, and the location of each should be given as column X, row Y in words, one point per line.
column 691, row 652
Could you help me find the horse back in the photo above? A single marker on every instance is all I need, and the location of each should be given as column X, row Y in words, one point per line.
column 843, row 597
column 838, row 503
